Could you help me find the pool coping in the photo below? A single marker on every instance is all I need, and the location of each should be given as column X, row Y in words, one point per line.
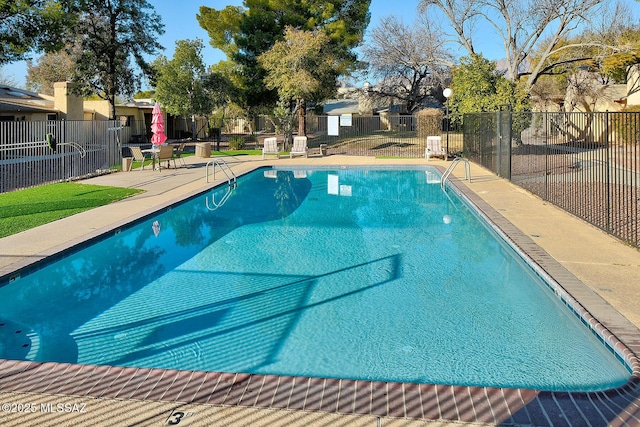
column 356, row 397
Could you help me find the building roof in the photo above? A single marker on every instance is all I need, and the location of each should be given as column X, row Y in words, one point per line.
column 19, row 100
column 142, row 103
column 337, row 107
column 15, row 100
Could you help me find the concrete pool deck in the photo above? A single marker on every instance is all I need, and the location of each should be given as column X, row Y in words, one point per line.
column 609, row 269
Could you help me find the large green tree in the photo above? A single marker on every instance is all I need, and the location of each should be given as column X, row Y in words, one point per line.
column 244, row 33
column 28, row 26
column 116, row 34
column 477, row 88
column 301, row 68
column 182, row 85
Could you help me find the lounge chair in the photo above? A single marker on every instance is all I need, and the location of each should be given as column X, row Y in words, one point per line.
column 434, row 148
column 177, row 154
column 138, row 156
column 299, row 147
column 165, row 153
column 270, row 147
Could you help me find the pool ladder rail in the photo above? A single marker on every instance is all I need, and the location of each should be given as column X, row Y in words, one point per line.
column 452, row 166
column 213, row 206
column 224, row 167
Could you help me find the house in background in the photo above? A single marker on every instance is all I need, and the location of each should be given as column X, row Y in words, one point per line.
column 136, row 113
column 357, row 102
column 23, row 105
column 633, row 86
column 587, row 93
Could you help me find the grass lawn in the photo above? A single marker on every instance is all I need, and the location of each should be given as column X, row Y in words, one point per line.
column 223, row 153
column 214, row 153
column 24, row 209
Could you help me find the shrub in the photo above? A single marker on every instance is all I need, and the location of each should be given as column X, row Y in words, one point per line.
column 429, row 122
column 625, row 125
column 236, row 143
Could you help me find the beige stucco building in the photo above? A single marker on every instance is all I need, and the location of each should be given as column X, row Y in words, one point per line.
column 22, row 105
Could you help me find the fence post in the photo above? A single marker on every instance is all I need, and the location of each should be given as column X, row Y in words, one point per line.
column 607, row 162
column 508, row 140
column 503, row 133
column 499, row 142
column 547, row 134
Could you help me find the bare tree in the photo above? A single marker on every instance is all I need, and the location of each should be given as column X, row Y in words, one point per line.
column 525, row 26
column 48, row 69
column 584, row 90
column 7, row 79
column 409, row 61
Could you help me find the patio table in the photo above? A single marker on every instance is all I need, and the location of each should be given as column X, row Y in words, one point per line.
column 154, row 155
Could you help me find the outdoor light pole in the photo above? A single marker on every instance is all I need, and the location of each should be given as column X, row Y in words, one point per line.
column 447, row 93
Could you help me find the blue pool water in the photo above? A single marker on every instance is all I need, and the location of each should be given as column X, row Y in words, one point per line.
column 352, row 273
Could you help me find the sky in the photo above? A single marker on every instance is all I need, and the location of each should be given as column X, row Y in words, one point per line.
column 179, row 17
column 180, row 20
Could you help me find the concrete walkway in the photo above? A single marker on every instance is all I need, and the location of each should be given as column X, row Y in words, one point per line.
column 607, row 266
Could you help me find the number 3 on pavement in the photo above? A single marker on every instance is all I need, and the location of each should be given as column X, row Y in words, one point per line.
column 179, row 417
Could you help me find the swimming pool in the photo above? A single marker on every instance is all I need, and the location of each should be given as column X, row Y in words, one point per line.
column 251, row 285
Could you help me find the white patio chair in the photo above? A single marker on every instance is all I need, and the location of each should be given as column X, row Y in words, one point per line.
column 434, row 148
column 270, row 147
column 299, row 147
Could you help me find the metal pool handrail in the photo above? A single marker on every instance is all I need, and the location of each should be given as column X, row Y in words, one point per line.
column 222, row 201
column 224, row 167
column 452, row 166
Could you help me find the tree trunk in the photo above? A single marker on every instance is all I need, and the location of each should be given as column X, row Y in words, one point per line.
column 302, row 117
column 112, row 105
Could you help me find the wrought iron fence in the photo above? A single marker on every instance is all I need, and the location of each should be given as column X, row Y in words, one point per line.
column 586, row 163
column 380, row 135
column 85, row 147
column 82, row 148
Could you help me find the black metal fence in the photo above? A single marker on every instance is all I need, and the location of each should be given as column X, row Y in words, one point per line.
column 28, row 157
column 586, row 163
column 380, row 135
column 88, row 147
